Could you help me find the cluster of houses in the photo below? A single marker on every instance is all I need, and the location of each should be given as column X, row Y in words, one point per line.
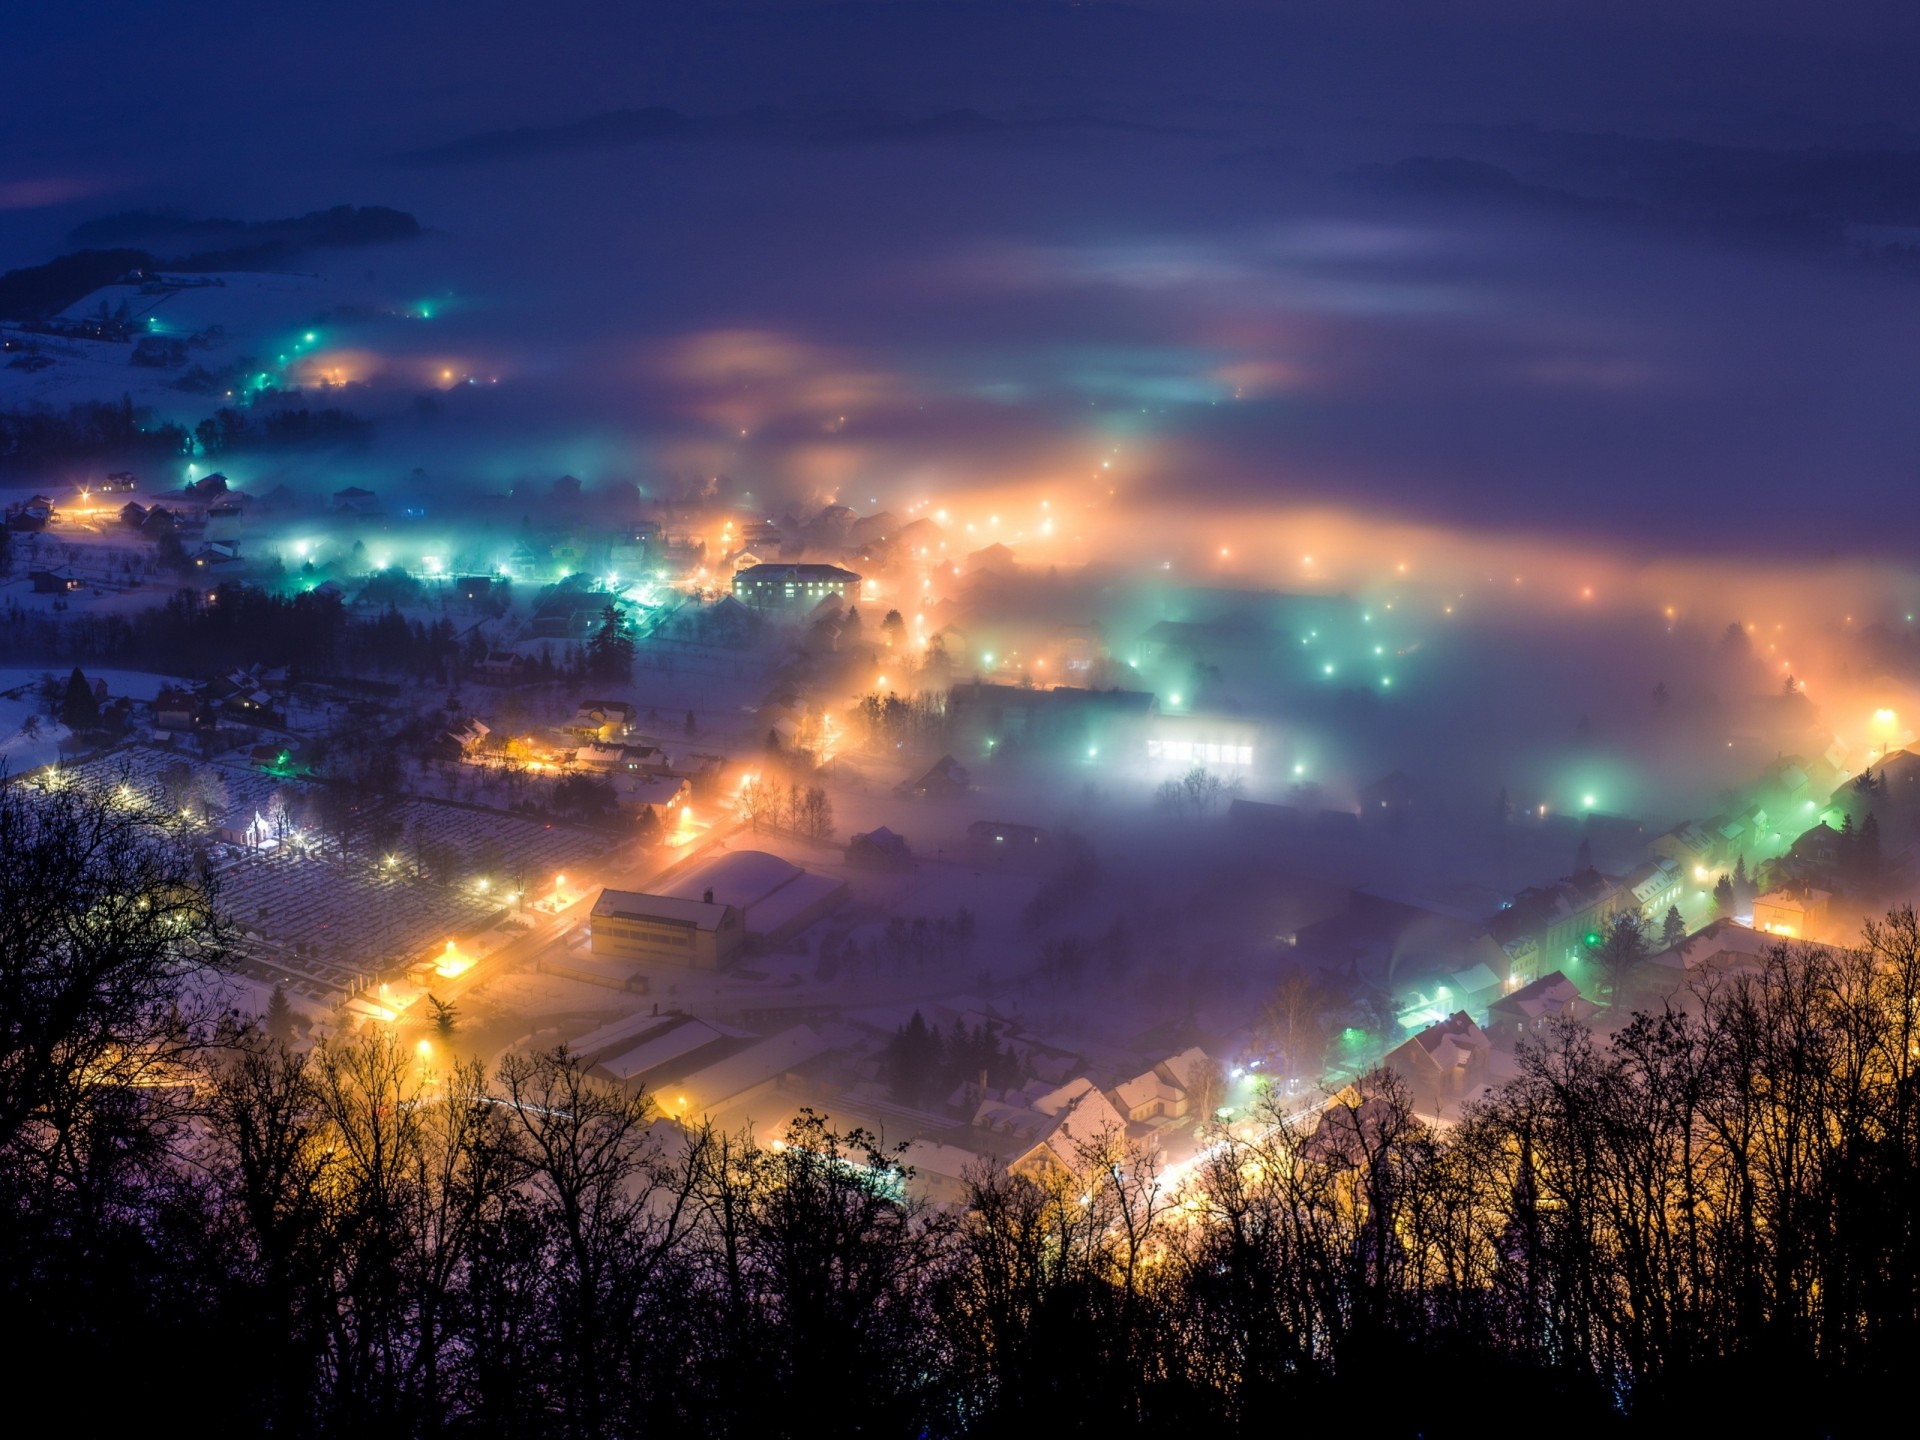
column 1819, row 849
column 1051, row 1122
column 1452, row 1059
column 601, row 740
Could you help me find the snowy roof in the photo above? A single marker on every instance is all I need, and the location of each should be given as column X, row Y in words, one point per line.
column 740, row 877
column 648, row 789
column 755, row 1065
column 1550, row 993
column 1450, row 1044
column 801, row 574
column 636, row 905
column 661, row 1046
column 1144, row 1089
column 1475, row 979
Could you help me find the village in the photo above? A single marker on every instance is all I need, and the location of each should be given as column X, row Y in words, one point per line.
column 822, row 812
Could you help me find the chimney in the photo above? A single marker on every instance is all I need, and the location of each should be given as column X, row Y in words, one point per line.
column 709, row 896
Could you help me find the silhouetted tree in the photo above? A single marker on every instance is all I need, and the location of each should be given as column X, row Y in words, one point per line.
column 1623, row 945
column 78, row 709
column 279, row 1017
column 610, row 651
column 1673, row 929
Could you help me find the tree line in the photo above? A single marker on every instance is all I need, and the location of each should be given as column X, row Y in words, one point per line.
column 1707, row 1217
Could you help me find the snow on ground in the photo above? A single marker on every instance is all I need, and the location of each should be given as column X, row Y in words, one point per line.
column 260, row 314
column 137, row 684
column 20, row 752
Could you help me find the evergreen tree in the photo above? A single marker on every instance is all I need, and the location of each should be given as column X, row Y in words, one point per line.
column 1623, row 946
column 279, row 1017
column 911, row 1061
column 1583, row 856
column 1723, row 898
column 1742, row 883
column 647, row 828
column 446, row 1015
column 1673, row 929
column 78, row 709
column 690, row 729
column 610, row 652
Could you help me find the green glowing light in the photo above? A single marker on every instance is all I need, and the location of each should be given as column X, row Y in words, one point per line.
column 1588, row 801
column 1593, row 937
column 1327, row 668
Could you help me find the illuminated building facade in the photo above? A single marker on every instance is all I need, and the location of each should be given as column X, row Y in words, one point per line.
column 794, row 588
column 1797, row 914
column 701, row 934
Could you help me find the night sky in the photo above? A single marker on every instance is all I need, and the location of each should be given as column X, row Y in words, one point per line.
column 1643, row 273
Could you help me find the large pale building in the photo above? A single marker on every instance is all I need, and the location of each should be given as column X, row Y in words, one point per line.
column 794, row 588
column 700, row 933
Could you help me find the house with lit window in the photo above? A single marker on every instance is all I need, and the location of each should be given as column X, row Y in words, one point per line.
column 1799, row 913
column 1563, row 921
column 602, row 719
column 1528, row 1011
column 1171, row 1090
column 1656, row 885
column 665, row 797
column 598, row 759
column 1044, row 1129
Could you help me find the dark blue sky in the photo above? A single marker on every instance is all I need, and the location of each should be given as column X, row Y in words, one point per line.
column 1631, row 269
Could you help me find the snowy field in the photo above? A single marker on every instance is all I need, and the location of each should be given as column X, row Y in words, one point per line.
column 262, row 316
column 137, row 684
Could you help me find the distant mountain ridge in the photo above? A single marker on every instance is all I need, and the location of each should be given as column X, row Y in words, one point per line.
column 658, row 123
column 340, row 227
